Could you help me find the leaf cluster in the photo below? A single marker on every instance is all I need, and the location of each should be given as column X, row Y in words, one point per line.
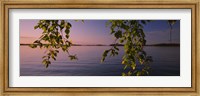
column 55, row 36
column 131, row 34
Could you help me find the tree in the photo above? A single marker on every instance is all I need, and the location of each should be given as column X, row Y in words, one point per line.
column 171, row 23
column 127, row 32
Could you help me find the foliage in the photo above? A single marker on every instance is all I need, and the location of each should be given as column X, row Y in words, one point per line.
column 171, row 23
column 53, row 38
column 131, row 34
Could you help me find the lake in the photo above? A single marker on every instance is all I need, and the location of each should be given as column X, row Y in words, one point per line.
column 166, row 62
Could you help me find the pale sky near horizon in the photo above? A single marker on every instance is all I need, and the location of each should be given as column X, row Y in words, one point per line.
column 96, row 32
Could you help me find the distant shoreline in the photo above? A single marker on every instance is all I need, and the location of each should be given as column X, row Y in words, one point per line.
column 161, row 44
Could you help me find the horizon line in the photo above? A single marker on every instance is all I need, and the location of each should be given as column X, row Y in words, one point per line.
column 158, row 44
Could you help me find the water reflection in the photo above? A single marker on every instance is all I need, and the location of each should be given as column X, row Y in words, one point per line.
column 166, row 62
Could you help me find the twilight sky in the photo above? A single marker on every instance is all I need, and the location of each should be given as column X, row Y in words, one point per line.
column 96, row 32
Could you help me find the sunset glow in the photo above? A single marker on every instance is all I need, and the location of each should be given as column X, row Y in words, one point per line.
column 96, row 32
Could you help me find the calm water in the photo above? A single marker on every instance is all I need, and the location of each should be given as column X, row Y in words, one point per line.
column 166, row 62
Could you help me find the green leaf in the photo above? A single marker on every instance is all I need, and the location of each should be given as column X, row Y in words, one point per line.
column 35, row 27
column 133, row 66
column 172, row 22
column 123, row 74
column 118, row 34
column 121, row 40
column 44, row 61
column 143, row 22
column 64, row 47
column 33, row 46
column 115, row 47
column 129, row 73
column 82, row 21
column 51, row 28
column 69, row 25
column 125, row 67
column 41, row 21
column 116, row 53
column 147, row 72
column 124, row 26
column 112, row 31
column 67, row 31
column 105, row 53
column 46, row 65
column 44, row 57
column 44, row 28
column 46, row 37
column 67, row 36
column 62, row 24
column 125, row 61
column 37, row 41
column 53, row 58
column 73, row 57
column 57, row 51
column 40, row 25
column 138, row 73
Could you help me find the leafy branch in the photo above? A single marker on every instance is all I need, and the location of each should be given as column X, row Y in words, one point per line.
column 53, row 38
column 130, row 33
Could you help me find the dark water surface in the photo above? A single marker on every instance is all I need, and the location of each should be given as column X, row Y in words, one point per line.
column 166, row 62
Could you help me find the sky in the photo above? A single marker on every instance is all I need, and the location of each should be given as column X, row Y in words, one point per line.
column 96, row 32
